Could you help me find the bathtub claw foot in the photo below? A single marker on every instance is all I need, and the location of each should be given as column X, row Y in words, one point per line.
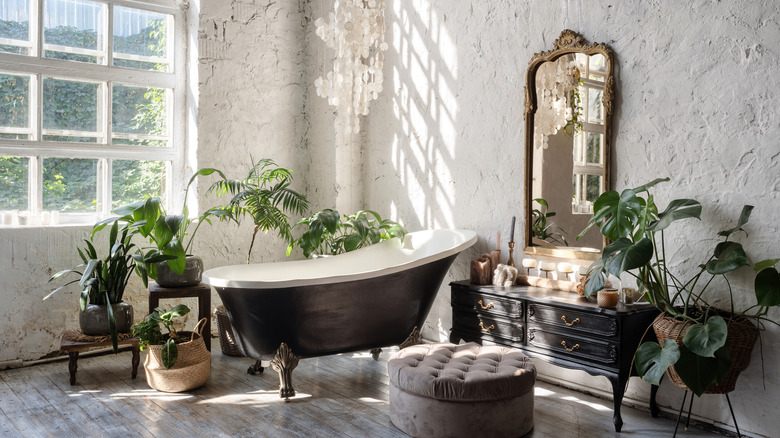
column 283, row 363
column 413, row 339
column 375, row 352
column 257, row 368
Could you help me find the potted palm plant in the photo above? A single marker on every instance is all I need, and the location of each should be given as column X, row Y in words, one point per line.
column 328, row 233
column 703, row 347
column 102, row 282
column 265, row 196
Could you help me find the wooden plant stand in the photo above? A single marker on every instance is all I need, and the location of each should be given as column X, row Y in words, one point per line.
column 202, row 292
column 73, row 348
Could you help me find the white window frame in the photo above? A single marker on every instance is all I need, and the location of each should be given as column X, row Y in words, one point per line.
column 36, row 150
column 582, row 169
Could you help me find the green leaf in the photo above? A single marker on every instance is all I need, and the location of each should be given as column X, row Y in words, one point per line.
column 179, row 310
column 88, row 271
column 175, row 248
column 595, row 281
column 698, row 372
column 169, row 353
column 645, row 187
column 728, row 256
column 352, row 242
column 763, row 264
column 743, row 219
column 620, row 213
column 624, row 255
column 112, row 324
column 113, row 234
column 149, row 211
column 767, row 286
column 705, row 339
column 676, row 210
column 652, row 360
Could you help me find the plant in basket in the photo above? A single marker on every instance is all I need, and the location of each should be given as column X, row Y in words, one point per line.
column 149, row 332
column 703, row 347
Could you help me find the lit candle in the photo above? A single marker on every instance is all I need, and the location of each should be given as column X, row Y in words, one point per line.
column 547, row 266
column 565, row 268
column 512, row 231
column 529, row 263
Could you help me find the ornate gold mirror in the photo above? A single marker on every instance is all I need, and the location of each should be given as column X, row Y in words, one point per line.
column 569, row 96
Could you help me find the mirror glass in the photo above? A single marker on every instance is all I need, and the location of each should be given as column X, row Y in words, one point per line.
column 567, row 146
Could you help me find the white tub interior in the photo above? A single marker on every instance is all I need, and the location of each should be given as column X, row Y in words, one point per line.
column 382, row 258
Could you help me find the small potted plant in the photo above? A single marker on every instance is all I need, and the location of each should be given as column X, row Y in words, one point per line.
column 328, row 233
column 175, row 361
column 102, row 282
column 703, row 347
column 168, row 260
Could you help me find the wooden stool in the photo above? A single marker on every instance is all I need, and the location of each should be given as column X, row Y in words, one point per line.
column 73, row 348
column 202, row 292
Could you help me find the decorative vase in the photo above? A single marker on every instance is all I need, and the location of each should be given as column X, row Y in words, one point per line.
column 193, row 269
column 94, row 319
column 741, row 338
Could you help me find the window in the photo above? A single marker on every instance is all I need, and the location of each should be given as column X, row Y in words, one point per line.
column 588, row 172
column 91, row 106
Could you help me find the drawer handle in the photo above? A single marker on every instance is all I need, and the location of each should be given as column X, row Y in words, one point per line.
column 483, row 306
column 575, row 347
column 569, row 323
column 486, row 329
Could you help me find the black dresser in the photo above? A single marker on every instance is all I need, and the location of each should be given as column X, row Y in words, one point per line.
column 556, row 326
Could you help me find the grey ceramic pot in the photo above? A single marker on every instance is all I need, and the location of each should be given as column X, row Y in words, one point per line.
column 190, row 277
column 94, row 319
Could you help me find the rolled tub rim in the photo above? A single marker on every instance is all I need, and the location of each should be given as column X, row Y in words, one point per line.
column 212, row 276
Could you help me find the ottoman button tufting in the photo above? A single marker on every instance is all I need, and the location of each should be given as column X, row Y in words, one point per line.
column 448, row 390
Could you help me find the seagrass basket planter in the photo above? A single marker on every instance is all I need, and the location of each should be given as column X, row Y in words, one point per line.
column 192, row 367
column 227, row 338
column 741, row 339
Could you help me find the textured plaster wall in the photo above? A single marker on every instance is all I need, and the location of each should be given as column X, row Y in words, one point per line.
column 696, row 102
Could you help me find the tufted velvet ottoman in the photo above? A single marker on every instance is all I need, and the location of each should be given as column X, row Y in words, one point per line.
column 448, row 390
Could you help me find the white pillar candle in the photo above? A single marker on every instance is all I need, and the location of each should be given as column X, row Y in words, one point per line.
column 547, row 266
column 529, row 263
column 565, row 267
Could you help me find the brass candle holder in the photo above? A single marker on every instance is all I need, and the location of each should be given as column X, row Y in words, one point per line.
column 511, row 261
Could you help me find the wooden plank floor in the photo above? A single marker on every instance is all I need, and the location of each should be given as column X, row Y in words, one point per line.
column 338, row 396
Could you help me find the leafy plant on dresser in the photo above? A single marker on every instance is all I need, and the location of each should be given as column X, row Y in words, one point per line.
column 701, row 349
column 328, row 233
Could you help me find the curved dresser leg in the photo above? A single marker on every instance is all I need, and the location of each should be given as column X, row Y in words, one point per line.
column 283, row 363
column 654, row 410
column 413, row 339
column 257, row 368
column 618, row 388
column 375, row 352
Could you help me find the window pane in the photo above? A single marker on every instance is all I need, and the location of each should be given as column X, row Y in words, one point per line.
column 73, row 30
column 593, row 188
column 69, row 185
column 140, row 39
column 15, row 26
column 595, row 112
column 70, row 110
column 139, row 115
column 133, row 181
column 13, row 183
column 15, row 106
column 594, row 148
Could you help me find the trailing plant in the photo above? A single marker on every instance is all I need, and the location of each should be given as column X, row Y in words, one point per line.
column 168, row 234
column 540, row 229
column 265, row 196
column 328, row 233
column 149, row 333
column 631, row 219
column 102, row 280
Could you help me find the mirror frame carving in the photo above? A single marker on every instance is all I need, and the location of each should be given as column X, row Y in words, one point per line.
column 567, row 43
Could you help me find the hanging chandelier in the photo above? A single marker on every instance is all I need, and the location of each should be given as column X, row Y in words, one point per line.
column 356, row 32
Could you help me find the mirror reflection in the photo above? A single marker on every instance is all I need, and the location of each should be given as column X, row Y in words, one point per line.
column 568, row 154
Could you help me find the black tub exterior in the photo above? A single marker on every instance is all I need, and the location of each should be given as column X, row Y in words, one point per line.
column 334, row 318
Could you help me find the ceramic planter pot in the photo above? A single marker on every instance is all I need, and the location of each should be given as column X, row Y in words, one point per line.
column 193, row 269
column 94, row 319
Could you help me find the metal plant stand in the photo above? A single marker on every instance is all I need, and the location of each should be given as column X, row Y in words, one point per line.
column 690, row 406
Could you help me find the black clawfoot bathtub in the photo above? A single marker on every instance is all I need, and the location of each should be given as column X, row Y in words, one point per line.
column 367, row 299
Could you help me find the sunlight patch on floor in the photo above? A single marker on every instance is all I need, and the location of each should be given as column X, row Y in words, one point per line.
column 151, row 394
column 591, row 405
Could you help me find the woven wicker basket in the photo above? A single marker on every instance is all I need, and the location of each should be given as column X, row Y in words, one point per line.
column 192, row 367
column 227, row 339
column 742, row 336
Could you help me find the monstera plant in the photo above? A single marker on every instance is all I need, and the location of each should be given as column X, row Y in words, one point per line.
column 700, row 350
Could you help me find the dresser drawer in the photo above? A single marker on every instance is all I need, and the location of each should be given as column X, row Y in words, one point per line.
column 487, row 326
column 572, row 320
column 573, row 346
column 487, row 304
